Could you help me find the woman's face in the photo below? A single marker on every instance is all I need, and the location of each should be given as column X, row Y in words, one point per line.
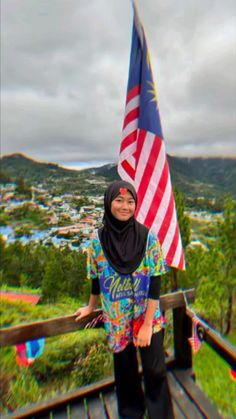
column 123, row 206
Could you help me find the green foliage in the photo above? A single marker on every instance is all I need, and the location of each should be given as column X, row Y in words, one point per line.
column 16, row 312
column 29, row 213
column 183, row 219
column 58, row 272
column 205, row 204
column 68, row 361
column 212, row 270
column 4, row 177
column 78, row 203
column 23, row 388
column 194, row 177
column 96, row 364
column 226, row 230
column 4, row 219
column 213, row 376
column 52, row 283
column 23, row 231
column 22, row 188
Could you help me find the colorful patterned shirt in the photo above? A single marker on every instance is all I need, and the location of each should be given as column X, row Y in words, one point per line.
column 124, row 298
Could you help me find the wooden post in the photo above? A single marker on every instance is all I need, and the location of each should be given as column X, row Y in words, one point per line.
column 182, row 325
column 174, row 279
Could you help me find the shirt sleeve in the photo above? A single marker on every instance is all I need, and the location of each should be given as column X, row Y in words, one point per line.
column 156, row 260
column 154, row 288
column 95, row 287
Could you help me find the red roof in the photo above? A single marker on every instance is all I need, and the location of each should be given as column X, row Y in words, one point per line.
column 14, row 296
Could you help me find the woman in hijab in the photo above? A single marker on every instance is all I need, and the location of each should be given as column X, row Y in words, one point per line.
column 125, row 263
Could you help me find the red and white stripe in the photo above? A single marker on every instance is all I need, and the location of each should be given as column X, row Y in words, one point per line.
column 143, row 162
column 194, row 341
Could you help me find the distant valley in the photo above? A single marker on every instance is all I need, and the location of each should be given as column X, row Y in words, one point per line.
column 208, row 177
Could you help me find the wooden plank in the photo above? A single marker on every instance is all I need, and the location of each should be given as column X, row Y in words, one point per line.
column 178, row 414
column 77, row 411
column 176, row 299
column 61, row 413
column 203, row 404
column 96, row 408
column 183, row 404
column 43, row 408
column 182, row 325
column 46, row 328
column 111, row 405
column 66, row 324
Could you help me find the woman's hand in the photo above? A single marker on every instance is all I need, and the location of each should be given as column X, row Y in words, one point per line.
column 85, row 311
column 144, row 336
column 82, row 312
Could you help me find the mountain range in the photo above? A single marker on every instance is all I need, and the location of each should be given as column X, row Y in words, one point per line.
column 207, row 177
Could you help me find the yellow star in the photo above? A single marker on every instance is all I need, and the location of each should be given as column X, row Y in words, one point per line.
column 153, row 92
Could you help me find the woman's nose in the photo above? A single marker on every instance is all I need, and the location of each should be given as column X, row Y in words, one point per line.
column 125, row 204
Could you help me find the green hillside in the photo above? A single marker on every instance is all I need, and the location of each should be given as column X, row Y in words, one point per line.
column 209, row 177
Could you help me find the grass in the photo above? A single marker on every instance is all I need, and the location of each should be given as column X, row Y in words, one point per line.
column 17, row 312
column 68, row 361
column 213, row 377
column 76, row 359
column 5, row 287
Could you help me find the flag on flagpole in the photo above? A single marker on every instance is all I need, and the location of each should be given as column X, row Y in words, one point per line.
column 142, row 158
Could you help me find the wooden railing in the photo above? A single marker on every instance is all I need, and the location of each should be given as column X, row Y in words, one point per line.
column 182, row 326
column 180, row 363
column 66, row 324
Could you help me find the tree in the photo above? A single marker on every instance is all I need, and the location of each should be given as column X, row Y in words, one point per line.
column 217, row 266
column 52, row 283
column 13, row 262
column 226, row 242
column 184, row 226
column 4, row 177
column 2, row 258
column 22, row 188
column 183, row 219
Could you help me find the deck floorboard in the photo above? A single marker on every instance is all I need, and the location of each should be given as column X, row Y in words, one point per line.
column 181, row 399
column 99, row 402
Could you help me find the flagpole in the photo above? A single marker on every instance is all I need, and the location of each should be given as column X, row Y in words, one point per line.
column 138, row 22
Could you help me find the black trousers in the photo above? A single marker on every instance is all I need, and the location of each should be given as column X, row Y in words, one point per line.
column 132, row 401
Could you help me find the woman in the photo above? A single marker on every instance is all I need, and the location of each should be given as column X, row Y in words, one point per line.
column 125, row 263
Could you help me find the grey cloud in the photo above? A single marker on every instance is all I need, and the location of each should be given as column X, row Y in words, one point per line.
column 65, row 69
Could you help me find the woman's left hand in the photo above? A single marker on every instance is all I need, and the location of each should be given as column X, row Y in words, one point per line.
column 144, row 336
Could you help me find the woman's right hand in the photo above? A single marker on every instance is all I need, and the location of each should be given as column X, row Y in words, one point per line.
column 82, row 312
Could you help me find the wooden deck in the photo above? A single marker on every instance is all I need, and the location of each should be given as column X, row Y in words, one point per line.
column 98, row 401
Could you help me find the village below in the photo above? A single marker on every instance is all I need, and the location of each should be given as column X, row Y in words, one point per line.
column 66, row 207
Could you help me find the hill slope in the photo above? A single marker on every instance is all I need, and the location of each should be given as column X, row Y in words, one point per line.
column 18, row 165
column 194, row 176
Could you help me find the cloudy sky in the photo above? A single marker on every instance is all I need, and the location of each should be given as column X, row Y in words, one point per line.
column 65, row 69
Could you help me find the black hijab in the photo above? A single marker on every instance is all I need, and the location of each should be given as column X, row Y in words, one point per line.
column 123, row 242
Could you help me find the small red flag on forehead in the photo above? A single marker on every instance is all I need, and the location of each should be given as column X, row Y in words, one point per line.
column 123, row 191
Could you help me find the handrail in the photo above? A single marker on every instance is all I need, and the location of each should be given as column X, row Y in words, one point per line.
column 66, row 324
column 214, row 340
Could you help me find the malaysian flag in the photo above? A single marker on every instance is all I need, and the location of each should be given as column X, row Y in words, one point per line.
column 142, row 159
column 195, row 340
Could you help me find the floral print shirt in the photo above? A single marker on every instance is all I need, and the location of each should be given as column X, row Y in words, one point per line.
column 124, row 298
